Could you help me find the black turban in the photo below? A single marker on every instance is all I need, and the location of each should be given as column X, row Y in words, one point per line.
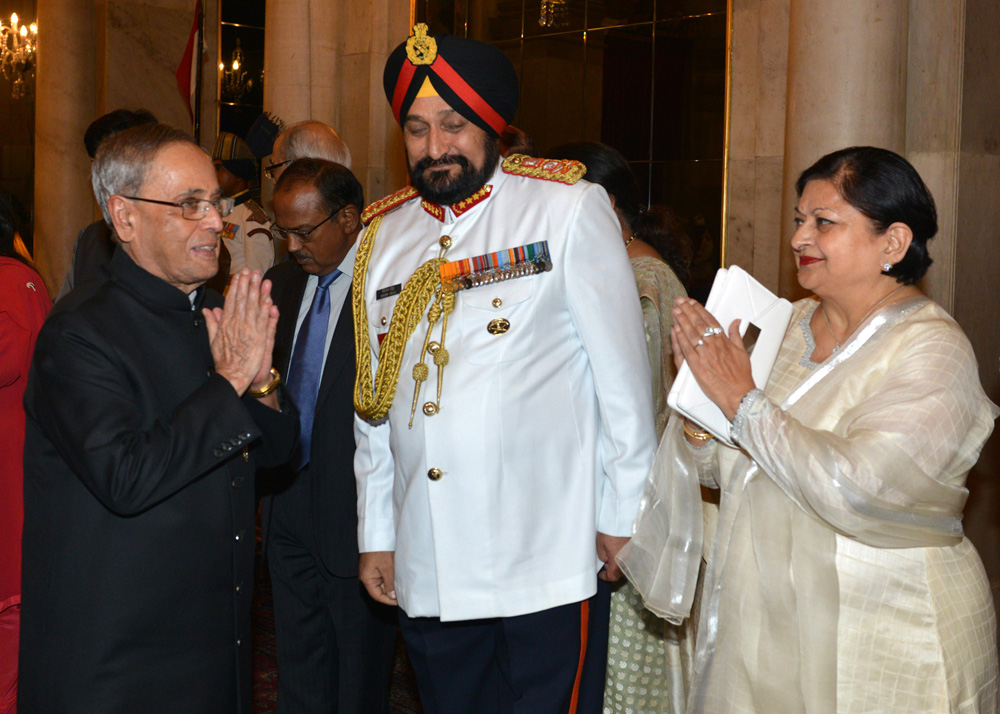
column 473, row 78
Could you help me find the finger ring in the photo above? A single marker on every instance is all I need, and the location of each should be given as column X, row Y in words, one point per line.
column 711, row 331
column 699, row 343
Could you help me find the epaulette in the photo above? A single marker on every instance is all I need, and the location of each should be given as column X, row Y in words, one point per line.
column 257, row 214
column 562, row 170
column 384, row 205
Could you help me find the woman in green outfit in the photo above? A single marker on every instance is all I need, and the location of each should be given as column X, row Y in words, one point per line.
column 648, row 663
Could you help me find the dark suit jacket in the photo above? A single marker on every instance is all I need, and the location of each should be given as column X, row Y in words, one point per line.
column 331, row 466
column 138, row 507
column 92, row 253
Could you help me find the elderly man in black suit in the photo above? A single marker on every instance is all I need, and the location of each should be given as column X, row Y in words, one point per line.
column 334, row 643
column 149, row 407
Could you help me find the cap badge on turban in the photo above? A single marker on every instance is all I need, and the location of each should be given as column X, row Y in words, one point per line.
column 421, row 49
column 474, row 78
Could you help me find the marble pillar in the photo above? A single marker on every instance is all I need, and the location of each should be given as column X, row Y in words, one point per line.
column 976, row 214
column 300, row 60
column 323, row 60
column 326, row 93
column 757, row 137
column 847, row 72
column 367, row 32
column 288, row 63
column 64, row 105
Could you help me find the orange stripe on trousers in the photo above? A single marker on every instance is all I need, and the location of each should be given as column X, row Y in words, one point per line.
column 584, row 617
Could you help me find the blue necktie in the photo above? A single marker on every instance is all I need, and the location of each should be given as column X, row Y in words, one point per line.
column 307, row 365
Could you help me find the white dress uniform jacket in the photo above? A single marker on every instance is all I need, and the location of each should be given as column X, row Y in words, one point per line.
column 247, row 236
column 545, row 433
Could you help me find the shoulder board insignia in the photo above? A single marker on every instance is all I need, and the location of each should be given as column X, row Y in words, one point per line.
column 384, row 205
column 257, row 214
column 561, row 170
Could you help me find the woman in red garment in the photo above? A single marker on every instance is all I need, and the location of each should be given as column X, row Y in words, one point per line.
column 24, row 303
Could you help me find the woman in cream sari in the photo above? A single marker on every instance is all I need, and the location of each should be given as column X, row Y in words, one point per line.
column 839, row 578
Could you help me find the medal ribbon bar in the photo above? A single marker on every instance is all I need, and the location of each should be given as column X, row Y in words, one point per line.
column 495, row 267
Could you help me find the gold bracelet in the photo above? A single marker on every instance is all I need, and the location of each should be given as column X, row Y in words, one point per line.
column 697, row 435
column 272, row 385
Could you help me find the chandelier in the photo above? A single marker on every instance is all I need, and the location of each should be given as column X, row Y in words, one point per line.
column 554, row 13
column 234, row 79
column 17, row 54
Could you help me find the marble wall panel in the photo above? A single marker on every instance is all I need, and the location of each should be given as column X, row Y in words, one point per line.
column 757, row 124
column 368, row 32
column 981, row 78
column 353, row 126
column 325, row 99
column 934, row 75
column 357, row 22
column 977, row 294
column 769, row 217
column 977, row 258
column 287, row 80
column 145, row 44
column 740, row 224
column 744, row 83
column 977, row 261
column 772, row 73
column 939, row 171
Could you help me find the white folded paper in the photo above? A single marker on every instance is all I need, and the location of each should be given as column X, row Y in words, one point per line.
column 762, row 314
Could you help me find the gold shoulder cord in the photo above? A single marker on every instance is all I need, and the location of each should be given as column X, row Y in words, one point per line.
column 372, row 401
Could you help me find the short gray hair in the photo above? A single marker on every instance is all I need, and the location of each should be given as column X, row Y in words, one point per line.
column 122, row 161
column 312, row 140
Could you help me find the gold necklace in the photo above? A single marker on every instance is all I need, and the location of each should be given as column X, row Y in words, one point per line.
column 829, row 327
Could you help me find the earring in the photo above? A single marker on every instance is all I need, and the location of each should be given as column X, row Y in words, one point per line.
column 887, row 267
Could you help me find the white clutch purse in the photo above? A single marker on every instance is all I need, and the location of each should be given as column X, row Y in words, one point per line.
column 763, row 319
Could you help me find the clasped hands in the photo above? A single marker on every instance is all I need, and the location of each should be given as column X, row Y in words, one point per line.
column 719, row 362
column 241, row 334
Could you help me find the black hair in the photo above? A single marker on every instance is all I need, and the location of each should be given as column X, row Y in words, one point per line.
column 112, row 123
column 8, row 229
column 886, row 188
column 515, row 141
column 335, row 184
column 657, row 225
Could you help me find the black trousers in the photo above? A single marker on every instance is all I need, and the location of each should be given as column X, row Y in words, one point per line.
column 334, row 643
column 528, row 664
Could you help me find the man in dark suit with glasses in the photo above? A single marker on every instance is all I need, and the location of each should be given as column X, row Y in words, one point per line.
column 149, row 407
column 334, row 643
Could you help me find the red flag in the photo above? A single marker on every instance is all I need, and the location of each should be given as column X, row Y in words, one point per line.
column 186, row 80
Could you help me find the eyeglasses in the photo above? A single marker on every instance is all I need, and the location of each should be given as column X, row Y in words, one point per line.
column 302, row 236
column 269, row 170
column 194, row 209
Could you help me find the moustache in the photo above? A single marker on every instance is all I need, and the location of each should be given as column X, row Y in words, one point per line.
column 446, row 160
column 298, row 254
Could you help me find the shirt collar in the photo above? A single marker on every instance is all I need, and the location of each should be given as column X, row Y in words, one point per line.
column 465, row 205
column 347, row 264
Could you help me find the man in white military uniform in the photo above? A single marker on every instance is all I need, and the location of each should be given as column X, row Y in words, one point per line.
column 496, row 303
column 246, row 234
